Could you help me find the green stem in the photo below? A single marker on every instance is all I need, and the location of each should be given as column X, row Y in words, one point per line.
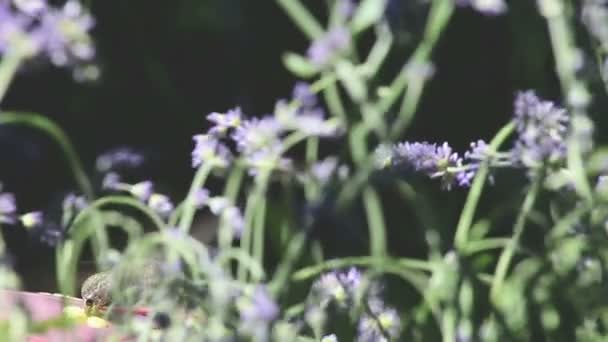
column 507, row 254
column 375, row 221
column 281, row 276
column 302, row 18
column 231, row 190
column 388, row 264
column 8, row 68
column 259, row 230
column 189, row 205
column 565, row 53
column 118, row 200
column 468, row 212
column 439, row 16
column 486, row 244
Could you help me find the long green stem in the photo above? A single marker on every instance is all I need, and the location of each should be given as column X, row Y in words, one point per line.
column 566, row 54
column 189, row 205
column 375, row 221
column 302, row 18
column 507, row 254
column 327, row 265
column 468, row 212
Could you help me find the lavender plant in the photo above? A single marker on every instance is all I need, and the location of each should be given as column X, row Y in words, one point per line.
column 475, row 285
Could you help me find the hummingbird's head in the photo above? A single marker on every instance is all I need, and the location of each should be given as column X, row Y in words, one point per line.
column 95, row 292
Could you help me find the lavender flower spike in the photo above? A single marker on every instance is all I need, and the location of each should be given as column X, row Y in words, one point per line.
column 327, row 47
column 223, row 122
column 542, row 128
column 8, row 208
column 207, row 149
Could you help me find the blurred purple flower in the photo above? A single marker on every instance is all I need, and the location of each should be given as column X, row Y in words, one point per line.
column 268, row 158
column 31, row 7
column 541, row 128
column 201, row 197
column 338, row 286
column 31, row 219
column 307, row 120
column 8, row 208
column 142, row 190
column 303, row 93
column 207, row 149
column 255, row 134
column 66, row 34
column 381, row 324
column 346, row 8
column 477, row 154
column 323, row 170
column 260, row 309
column 234, row 218
column 327, row 47
column 111, row 181
column 487, row 7
column 14, row 32
column 118, row 159
column 160, row 204
column 74, row 202
column 223, row 122
column 432, row 159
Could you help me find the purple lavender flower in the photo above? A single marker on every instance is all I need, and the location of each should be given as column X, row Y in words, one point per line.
column 261, row 309
column 201, row 197
column 142, row 190
column 48, row 233
column 338, row 286
column 73, row 204
column 118, row 159
column 14, row 34
column 111, row 181
column 487, row 7
column 31, row 219
column 234, row 218
column 66, row 37
column 223, row 122
column 257, row 312
column 207, row 149
column 255, row 134
column 346, row 8
column 432, row 159
column 327, row 47
column 478, row 153
column 31, row 7
column 308, row 120
column 268, row 158
column 542, row 129
column 8, row 208
column 160, row 204
column 383, row 156
column 323, row 170
column 381, row 324
column 302, row 93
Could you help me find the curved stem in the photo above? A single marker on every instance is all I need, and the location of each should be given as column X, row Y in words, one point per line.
column 375, row 221
column 468, row 212
column 507, row 254
column 389, row 263
column 119, row 200
column 189, row 205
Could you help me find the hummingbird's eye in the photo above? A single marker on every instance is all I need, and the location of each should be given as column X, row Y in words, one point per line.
column 88, row 302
